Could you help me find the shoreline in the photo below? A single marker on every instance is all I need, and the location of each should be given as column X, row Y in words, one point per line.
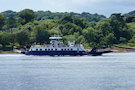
column 6, row 52
column 118, row 50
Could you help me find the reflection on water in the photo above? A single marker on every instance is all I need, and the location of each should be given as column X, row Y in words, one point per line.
column 114, row 71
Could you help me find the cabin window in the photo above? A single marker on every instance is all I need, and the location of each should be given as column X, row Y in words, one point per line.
column 61, row 49
column 53, row 45
column 52, row 49
column 40, row 49
column 68, row 49
column 53, row 41
column 36, row 49
column 71, row 49
column 48, row 49
column 55, row 49
column 65, row 49
column 45, row 49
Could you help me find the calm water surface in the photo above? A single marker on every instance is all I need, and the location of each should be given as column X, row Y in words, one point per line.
column 114, row 71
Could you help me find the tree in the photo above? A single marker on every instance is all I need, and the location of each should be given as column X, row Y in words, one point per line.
column 66, row 19
column 104, row 26
column 92, row 17
column 2, row 17
column 90, row 35
column 6, row 38
column 123, row 40
column 110, row 39
column 40, row 35
column 80, row 39
column 70, row 28
column 29, row 26
column 132, row 40
column 69, row 38
column 22, row 37
column 79, row 22
column 130, row 19
column 11, row 22
column 120, row 28
column 27, row 15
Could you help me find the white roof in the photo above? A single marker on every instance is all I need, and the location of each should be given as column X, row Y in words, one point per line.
column 54, row 37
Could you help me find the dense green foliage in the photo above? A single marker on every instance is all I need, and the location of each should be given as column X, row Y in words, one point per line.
column 26, row 16
column 26, row 27
column 129, row 17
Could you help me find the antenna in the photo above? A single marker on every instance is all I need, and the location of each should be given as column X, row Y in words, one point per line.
column 58, row 30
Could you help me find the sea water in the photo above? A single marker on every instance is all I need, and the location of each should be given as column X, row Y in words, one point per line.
column 113, row 71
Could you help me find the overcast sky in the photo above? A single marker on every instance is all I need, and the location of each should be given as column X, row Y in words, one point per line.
column 105, row 7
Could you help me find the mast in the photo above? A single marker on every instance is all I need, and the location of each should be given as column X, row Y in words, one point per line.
column 58, row 30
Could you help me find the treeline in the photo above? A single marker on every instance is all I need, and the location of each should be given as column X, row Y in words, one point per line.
column 26, row 27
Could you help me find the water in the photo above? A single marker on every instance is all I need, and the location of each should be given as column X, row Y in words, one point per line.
column 113, row 71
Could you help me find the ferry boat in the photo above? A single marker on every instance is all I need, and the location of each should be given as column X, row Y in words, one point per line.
column 56, row 47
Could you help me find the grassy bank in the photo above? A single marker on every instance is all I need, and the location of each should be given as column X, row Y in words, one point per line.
column 7, row 52
column 123, row 50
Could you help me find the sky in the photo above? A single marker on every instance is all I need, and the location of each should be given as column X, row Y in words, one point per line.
column 104, row 7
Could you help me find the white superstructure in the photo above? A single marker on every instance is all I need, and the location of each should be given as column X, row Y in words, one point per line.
column 56, row 44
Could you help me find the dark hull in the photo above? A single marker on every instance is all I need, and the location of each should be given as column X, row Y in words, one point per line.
column 59, row 53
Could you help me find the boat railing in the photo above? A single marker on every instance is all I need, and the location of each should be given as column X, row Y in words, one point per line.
column 50, row 46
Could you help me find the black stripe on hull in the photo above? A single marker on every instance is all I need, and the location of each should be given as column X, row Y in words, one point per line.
column 52, row 53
